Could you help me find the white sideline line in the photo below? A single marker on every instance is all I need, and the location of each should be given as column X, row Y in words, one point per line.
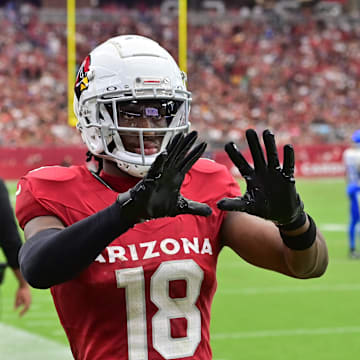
column 333, row 227
column 289, row 332
column 290, row 289
column 17, row 344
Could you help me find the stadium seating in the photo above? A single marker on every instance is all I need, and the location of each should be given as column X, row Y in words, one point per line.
column 298, row 75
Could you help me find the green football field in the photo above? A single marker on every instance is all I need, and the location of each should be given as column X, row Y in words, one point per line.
column 256, row 314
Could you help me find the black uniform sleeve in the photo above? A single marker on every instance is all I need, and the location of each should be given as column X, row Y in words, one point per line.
column 10, row 241
column 53, row 256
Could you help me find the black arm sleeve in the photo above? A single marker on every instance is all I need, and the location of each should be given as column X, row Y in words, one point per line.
column 10, row 240
column 53, row 256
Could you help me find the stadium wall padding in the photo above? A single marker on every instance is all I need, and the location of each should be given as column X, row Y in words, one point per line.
column 311, row 160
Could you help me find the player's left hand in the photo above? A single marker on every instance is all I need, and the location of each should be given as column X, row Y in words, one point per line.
column 22, row 299
column 158, row 193
column 270, row 192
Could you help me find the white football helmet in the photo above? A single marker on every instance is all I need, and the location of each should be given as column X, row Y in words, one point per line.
column 129, row 76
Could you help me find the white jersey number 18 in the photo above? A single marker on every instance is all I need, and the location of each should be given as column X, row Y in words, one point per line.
column 132, row 280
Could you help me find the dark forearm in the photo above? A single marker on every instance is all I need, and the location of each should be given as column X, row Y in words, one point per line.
column 19, row 277
column 309, row 263
column 53, row 256
column 309, row 260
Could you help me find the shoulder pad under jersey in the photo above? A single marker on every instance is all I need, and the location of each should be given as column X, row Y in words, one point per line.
column 54, row 173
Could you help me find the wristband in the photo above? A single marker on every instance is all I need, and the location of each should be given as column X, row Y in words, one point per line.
column 302, row 241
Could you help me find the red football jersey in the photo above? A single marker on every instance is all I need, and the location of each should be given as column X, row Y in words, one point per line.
column 148, row 295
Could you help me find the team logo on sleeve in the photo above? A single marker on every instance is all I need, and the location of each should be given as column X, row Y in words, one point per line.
column 82, row 80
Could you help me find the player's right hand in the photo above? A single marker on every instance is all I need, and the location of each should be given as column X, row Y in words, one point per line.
column 158, row 193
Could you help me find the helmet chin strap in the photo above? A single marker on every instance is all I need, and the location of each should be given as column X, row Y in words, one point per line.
column 98, row 178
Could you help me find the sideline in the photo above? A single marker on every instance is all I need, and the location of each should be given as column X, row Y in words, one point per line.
column 17, row 344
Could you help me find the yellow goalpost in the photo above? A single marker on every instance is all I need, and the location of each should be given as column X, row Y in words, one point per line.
column 71, row 58
column 182, row 34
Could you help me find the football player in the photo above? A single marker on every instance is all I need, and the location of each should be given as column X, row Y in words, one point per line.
column 351, row 158
column 10, row 243
column 130, row 251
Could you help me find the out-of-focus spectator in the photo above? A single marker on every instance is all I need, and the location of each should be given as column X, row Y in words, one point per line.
column 298, row 76
column 10, row 244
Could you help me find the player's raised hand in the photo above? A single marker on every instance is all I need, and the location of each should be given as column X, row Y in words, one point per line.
column 270, row 192
column 158, row 193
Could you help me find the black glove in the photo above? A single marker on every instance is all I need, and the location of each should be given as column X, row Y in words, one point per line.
column 270, row 189
column 158, row 193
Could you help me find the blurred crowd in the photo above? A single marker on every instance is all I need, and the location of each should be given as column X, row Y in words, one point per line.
column 298, row 76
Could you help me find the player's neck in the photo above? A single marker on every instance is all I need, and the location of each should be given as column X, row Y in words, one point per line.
column 110, row 168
